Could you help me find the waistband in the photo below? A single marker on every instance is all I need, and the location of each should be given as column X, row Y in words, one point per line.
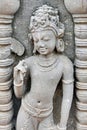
column 36, row 112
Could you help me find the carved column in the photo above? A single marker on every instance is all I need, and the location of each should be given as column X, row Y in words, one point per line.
column 78, row 9
column 7, row 45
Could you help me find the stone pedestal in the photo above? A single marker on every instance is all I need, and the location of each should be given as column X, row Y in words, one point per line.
column 7, row 45
column 78, row 9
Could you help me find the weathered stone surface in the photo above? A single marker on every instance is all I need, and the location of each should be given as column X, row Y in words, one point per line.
column 20, row 26
column 79, row 14
column 19, row 91
column 7, row 45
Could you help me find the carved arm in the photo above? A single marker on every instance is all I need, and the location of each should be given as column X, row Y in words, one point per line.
column 19, row 77
column 67, row 95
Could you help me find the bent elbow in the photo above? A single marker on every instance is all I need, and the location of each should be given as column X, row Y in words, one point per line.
column 18, row 92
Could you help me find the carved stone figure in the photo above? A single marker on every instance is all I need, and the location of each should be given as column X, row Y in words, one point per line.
column 79, row 13
column 45, row 68
column 7, row 45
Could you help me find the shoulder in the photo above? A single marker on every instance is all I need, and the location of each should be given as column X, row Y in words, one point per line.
column 30, row 60
column 67, row 64
column 67, row 67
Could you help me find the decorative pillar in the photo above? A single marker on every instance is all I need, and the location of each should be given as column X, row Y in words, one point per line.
column 7, row 45
column 78, row 9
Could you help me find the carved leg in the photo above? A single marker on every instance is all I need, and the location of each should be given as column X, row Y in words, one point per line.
column 47, row 124
column 25, row 121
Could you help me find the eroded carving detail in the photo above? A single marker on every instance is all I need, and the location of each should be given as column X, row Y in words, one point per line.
column 45, row 68
column 79, row 13
column 7, row 43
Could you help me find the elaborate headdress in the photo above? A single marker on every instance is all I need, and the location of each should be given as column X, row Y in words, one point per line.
column 46, row 17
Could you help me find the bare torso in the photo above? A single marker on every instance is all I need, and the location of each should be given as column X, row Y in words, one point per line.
column 43, row 84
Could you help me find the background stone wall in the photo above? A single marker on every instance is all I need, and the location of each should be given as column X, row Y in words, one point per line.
column 20, row 25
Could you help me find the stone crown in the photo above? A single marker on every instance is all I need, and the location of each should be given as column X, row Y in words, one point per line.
column 46, row 17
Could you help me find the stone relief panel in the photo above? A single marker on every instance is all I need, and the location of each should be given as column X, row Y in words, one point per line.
column 45, row 68
column 9, row 31
column 20, row 27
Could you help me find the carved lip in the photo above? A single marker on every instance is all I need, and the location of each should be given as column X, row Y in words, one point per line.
column 42, row 50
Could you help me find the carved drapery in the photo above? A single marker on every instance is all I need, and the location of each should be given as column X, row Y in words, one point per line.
column 78, row 9
column 7, row 45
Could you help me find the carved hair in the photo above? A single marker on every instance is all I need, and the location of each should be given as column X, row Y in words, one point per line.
column 46, row 17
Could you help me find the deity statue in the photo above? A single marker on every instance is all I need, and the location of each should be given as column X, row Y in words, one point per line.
column 45, row 68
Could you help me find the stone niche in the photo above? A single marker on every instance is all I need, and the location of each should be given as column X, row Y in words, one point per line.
column 20, row 27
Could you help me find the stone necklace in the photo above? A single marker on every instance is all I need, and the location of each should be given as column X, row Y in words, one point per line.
column 47, row 64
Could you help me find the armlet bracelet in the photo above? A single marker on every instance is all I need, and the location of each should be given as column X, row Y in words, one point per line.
column 18, row 85
column 68, row 81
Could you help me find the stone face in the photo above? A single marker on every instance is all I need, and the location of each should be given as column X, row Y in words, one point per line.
column 45, row 68
column 21, row 24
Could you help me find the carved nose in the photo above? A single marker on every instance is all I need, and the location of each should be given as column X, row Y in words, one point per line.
column 41, row 44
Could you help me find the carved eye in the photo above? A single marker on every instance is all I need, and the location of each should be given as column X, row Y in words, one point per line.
column 46, row 39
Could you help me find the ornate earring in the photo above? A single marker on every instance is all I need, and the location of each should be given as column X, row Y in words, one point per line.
column 35, row 49
column 31, row 39
column 60, row 45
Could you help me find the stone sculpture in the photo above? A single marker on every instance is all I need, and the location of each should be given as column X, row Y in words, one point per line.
column 79, row 13
column 45, row 69
column 7, row 45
